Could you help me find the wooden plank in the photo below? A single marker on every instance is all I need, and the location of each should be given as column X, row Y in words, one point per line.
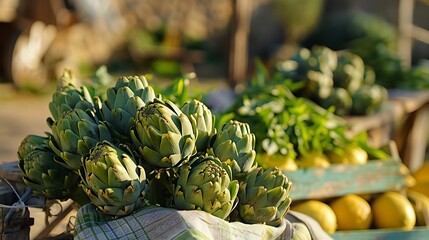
column 379, row 126
column 418, row 233
column 411, row 100
column 340, row 179
column 405, row 28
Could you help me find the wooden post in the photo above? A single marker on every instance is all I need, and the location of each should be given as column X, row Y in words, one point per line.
column 239, row 41
column 405, row 26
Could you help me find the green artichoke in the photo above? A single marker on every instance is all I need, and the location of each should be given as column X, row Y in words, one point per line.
column 350, row 71
column 322, row 59
column 41, row 171
column 264, row 197
column 74, row 134
column 68, row 96
column 113, row 181
column 123, row 100
column 163, row 134
column 29, row 143
column 235, row 145
column 202, row 120
column 206, row 185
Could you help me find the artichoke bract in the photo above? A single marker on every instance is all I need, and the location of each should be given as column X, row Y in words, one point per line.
column 206, row 184
column 113, row 181
column 74, row 134
column 264, row 197
column 123, row 100
column 235, row 145
column 202, row 120
column 41, row 171
column 68, row 96
column 163, row 134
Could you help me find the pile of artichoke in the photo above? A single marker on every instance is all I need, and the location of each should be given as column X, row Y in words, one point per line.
column 333, row 78
column 132, row 147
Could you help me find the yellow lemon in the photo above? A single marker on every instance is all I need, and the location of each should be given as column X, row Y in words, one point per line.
column 420, row 204
column 393, row 210
column 319, row 211
column 421, row 187
column 313, row 159
column 353, row 212
column 356, row 155
column 352, row 154
column 282, row 162
column 422, row 174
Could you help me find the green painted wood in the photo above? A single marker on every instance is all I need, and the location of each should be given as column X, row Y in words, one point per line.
column 341, row 179
column 418, row 233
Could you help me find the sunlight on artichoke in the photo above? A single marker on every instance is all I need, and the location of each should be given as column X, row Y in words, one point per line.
column 113, row 180
column 202, row 120
column 235, row 145
column 74, row 134
column 163, row 134
column 206, row 185
column 123, row 100
column 264, row 197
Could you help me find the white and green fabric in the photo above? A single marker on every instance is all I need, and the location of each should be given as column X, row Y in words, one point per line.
column 166, row 223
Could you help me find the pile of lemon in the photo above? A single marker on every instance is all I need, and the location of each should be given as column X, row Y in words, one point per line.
column 389, row 210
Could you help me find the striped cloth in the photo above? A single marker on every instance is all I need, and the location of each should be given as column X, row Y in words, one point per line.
column 166, row 223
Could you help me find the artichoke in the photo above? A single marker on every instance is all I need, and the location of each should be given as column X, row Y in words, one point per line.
column 68, row 96
column 113, row 181
column 264, row 197
column 322, row 59
column 74, row 134
column 205, row 184
column 41, row 171
column 163, row 134
column 349, row 73
column 235, row 145
column 123, row 100
column 202, row 120
column 29, row 143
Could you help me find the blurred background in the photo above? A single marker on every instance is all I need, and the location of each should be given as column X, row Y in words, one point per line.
column 215, row 39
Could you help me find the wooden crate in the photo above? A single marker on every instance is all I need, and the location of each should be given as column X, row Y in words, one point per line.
column 418, row 233
column 341, row 179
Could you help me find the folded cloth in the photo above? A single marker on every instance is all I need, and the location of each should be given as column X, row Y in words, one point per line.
column 167, row 223
column 315, row 230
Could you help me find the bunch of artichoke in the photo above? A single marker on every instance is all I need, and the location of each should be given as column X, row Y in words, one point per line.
column 332, row 78
column 113, row 180
column 135, row 147
column 312, row 70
